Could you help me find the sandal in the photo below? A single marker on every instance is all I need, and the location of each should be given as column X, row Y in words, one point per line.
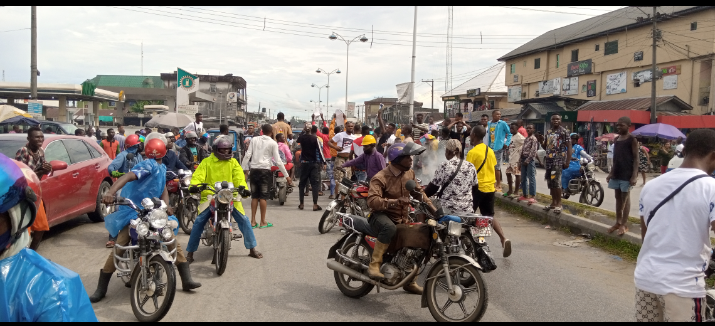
column 300, row 207
column 547, row 208
column 531, row 200
column 614, row 228
column 266, row 226
column 254, row 226
column 110, row 244
column 622, row 230
column 317, row 208
column 557, row 210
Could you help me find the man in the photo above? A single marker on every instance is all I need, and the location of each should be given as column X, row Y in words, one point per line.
column 219, row 167
column 669, row 275
column 148, row 130
column 372, row 161
column 258, row 160
column 311, row 162
column 32, row 288
column 329, row 159
column 388, row 137
column 455, row 195
column 680, row 146
column 197, row 126
column 356, row 151
column 622, row 178
column 123, row 163
column 557, row 145
column 419, row 127
column 120, row 136
column 15, row 130
column 120, row 130
column 146, row 179
column 110, row 145
column 90, row 134
column 484, row 121
column 407, row 134
column 342, row 143
column 33, row 156
column 528, row 168
column 498, row 130
column 390, row 204
column 514, row 167
column 281, row 127
column 171, row 159
column 483, row 159
column 192, row 154
column 79, row 132
column 522, row 130
column 432, row 126
column 459, row 130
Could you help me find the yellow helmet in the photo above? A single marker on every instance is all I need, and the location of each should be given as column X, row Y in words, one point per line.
column 368, row 140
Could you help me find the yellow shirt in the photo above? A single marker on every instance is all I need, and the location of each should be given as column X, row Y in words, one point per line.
column 486, row 176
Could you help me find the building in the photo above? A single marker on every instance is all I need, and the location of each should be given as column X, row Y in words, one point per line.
column 217, row 89
column 393, row 111
column 485, row 91
column 608, row 58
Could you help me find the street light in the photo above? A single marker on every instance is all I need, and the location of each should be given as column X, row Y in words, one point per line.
column 334, row 37
column 319, row 88
column 327, row 91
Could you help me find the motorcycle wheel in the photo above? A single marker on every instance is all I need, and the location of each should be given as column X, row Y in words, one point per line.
column 161, row 278
column 188, row 215
column 328, row 220
column 282, row 194
column 347, row 285
column 464, row 307
column 221, row 251
column 593, row 194
column 469, row 247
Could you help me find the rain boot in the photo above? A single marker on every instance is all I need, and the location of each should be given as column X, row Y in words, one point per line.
column 413, row 288
column 102, row 285
column 374, row 269
column 185, row 273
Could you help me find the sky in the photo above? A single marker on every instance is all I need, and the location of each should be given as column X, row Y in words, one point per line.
column 276, row 49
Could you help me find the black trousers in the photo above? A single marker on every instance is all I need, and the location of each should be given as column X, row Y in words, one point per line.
column 309, row 172
column 383, row 226
column 484, row 201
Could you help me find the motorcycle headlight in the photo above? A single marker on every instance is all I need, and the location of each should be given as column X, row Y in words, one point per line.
column 158, row 219
column 224, row 196
column 186, row 181
column 454, row 229
column 147, row 203
column 166, row 234
column 591, row 166
column 142, row 229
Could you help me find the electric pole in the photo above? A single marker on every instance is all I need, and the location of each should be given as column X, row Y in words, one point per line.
column 412, row 77
column 431, row 81
column 653, row 117
column 33, row 53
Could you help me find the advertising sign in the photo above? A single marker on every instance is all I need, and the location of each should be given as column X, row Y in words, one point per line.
column 570, row 86
column 616, row 83
column 186, row 84
column 670, row 82
column 671, row 70
column 231, row 97
column 190, row 110
column 514, row 94
column 552, row 86
column 474, row 92
column 579, row 68
column 645, row 76
column 350, row 112
column 591, row 88
column 34, row 107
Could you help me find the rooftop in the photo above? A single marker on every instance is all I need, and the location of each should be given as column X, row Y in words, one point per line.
column 488, row 81
column 641, row 103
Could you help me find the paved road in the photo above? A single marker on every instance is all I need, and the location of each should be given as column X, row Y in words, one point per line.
column 541, row 281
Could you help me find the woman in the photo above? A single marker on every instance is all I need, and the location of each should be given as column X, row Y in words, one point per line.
column 665, row 154
column 575, row 166
column 643, row 160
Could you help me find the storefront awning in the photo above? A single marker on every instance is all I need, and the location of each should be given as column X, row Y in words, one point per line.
column 689, row 121
column 637, row 116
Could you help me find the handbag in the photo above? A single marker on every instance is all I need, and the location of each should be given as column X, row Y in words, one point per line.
column 672, row 194
column 441, row 190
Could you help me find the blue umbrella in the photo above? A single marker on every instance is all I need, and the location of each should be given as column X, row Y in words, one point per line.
column 661, row 130
column 21, row 120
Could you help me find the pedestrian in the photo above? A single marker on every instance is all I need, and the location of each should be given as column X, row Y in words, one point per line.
column 557, row 145
column 258, row 162
column 643, row 161
column 419, row 126
column 498, row 131
column 522, row 130
column 453, row 181
column 459, row 129
column 357, row 150
column 329, row 158
column 407, row 135
column 665, row 154
column 197, row 126
column 90, row 134
column 33, row 156
column 311, row 162
column 483, row 159
column 484, row 121
column 281, row 127
column 432, row 126
column 670, row 270
column 514, row 167
column 387, row 138
column 372, row 161
column 15, row 130
column 624, row 174
column 110, row 145
column 120, row 136
column 528, row 167
column 609, row 156
column 679, row 146
column 342, row 142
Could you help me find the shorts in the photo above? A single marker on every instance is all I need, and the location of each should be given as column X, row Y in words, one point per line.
column 652, row 307
column 260, row 182
column 514, row 168
column 555, row 182
column 500, row 159
column 484, row 201
column 623, row 185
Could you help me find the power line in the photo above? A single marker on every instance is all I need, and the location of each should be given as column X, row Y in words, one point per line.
column 584, row 8
column 542, row 10
column 13, row 30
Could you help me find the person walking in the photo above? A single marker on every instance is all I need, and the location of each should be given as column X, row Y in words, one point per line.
column 281, row 127
column 342, row 143
column 498, row 131
column 453, row 181
column 665, row 154
column 514, row 166
column 33, row 156
column 557, row 145
column 311, row 162
column 528, row 167
column 110, row 145
column 643, row 161
column 624, row 174
column 675, row 225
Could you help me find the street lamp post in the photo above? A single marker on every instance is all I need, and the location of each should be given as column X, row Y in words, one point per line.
column 327, row 87
column 319, row 88
column 336, row 36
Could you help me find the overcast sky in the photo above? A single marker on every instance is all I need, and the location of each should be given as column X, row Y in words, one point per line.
column 78, row 43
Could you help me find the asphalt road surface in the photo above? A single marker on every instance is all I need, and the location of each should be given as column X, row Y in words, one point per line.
column 543, row 280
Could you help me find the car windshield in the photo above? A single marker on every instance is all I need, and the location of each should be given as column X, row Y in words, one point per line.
column 10, row 147
column 70, row 128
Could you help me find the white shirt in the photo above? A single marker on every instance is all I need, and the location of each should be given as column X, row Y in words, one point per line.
column 344, row 141
column 260, row 152
column 679, row 148
column 197, row 127
column 676, row 247
column 610, row 152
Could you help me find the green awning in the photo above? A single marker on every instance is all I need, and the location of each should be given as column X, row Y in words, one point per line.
column 106, row 118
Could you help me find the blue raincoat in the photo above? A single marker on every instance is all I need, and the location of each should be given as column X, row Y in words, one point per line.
column 35, row 289
column 121, row 164
column 574, row 167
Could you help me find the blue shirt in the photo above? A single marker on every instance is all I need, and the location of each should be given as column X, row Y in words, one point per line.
column 497, row 131
column 121, row 164
column 172, row 162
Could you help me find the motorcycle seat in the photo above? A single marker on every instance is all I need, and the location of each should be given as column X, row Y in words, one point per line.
column 288, row 166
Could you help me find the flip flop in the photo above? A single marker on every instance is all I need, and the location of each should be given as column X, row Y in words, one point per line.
column 254, row 226
column 318, row 209
column 614, row 228
column 547, row 208
column 267, row 226
column 557, row 210
column 507, row 248
column 625, row 229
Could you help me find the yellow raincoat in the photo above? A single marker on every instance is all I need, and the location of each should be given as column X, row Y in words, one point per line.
column 212, row 170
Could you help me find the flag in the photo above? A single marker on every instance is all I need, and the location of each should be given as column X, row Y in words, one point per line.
column 403, row 93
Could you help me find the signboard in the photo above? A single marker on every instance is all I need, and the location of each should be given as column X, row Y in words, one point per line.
column 645, row 76
column 638, row 56
column 591, row 88
column 513, row 94
column 474, row 92
column 34, row 107
column 350, row 112
column 190, row 110
column 616, row 83
column 670, row 82
column 579, row 68
column 671, row 70
column 570, row 86
column 516, row 78
column 186, row 84
column 552, row 86
column 231, row 97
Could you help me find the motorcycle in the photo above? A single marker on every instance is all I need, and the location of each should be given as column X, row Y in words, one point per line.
column 218, row 232
column 585, row 184
column 147, row 265
column 351, row 198
column 454, row 279
column 279, row 186
column 185, row 204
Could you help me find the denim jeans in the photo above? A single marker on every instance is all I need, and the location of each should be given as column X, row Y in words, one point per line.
column 528, row 173
column 361, row 175
column 244, row 224
column 329, row 170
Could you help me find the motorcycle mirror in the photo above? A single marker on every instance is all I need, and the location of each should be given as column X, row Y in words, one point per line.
column 130, row 156
column 410, row 185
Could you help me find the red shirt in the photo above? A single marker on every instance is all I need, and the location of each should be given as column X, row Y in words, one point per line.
column 326, row 148
column 523, row 132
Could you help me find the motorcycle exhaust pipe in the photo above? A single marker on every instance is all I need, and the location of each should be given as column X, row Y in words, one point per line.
column 340, row 268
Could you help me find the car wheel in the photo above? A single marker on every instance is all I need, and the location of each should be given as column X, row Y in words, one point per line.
column 100, row 210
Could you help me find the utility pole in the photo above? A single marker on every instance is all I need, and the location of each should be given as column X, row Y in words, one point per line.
column 33, row 54
column 653, row 117
column 431, row 81
column 142, row 63
column 412, row 78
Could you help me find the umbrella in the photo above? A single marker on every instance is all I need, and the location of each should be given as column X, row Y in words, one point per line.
column 607, row 137
column 661, row 130
column 169, row 120
column 9, row 111
column 21, row 120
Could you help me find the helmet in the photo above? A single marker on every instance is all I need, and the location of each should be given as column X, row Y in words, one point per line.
column 156, row 135
column 19, row 196
column 191, row 134
column 399, row 150
column 368, row 140
column 155, row 149
column 222, row 142
column 131, row 141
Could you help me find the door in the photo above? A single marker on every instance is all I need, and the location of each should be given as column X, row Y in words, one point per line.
column 82, row 172
column 58, row 189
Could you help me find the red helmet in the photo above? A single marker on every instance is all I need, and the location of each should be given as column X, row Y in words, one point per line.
column 155, row 149
column 131, row 141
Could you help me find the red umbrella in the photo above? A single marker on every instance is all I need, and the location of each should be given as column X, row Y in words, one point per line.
column 607, row 137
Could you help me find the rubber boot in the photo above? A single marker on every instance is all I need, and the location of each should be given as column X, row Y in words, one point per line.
column 413, row 288
column 189, row 257
column 374, row 269
column 102, row 285
column 185, row 273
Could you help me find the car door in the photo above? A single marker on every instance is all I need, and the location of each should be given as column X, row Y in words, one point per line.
column 83, row 172
column 59, row 188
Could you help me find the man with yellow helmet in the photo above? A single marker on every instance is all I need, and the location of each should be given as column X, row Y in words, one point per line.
column 373, row 161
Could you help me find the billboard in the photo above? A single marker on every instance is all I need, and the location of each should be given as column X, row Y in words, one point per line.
column 514, row 94
column 616, row 83
column 569, row 86
column 190, row 110
column 579, row 68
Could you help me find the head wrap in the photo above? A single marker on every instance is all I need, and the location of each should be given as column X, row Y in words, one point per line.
column 453, row 145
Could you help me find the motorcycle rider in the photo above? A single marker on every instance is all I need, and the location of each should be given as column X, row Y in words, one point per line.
column 171, row 159
column 32, row 288
column 389, row 200
column 219, row 167
column 192, row 154
column 146, row 180
column 123, row 163
column 575, row 165
column 373, row 161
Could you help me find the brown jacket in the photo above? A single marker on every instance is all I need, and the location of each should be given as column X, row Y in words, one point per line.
column 281, row 127
column 385, row 189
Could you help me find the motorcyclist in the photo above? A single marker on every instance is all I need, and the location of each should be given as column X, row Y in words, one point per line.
column 146, row 180
column 389, row 200
column 171, row 159
column 218, row 167
column 575, row 166
column 127, row 159
column 32, row 288
column 192, row 154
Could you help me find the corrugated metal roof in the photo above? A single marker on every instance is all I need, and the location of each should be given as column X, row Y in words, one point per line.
column 489, row 81
column 609, row 22
column 545, row 108
column 640, row 103
column 128, row 81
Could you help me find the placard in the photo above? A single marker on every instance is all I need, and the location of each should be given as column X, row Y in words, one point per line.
column 591, row 88
column 671, row 70
column 670, row 82
column 616, row 83
column 570, row 86
column 579, row 68
column 513, row 94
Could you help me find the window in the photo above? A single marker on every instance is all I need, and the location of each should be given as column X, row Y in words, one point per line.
column 10, row 147
column 610, row 47
column 537, row 63
column 94, row 151
column 77, row 150
column 212, row 88
column 598, row 47
column 56, row 152
column 574, row 55
column 693, row 26
column 513, row 68
column 524, row 63
column 491, row 105
column 50, row 128
column 557, row 60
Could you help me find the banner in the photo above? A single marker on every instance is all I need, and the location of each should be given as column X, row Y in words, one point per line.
column 190, row 110
column 591, row 88
column 570, row 86
column 514, row 94
column 350, row 112
column 186, row 84
column 403, row 93
column 616, row 83
column 579, row 68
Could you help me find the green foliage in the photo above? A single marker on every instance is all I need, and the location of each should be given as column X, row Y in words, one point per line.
column 622, row 248
column 138, row 106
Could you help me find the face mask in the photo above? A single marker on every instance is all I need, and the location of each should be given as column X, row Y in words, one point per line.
column 5, row 240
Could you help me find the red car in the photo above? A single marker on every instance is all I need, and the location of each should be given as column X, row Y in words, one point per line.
column 79, row 177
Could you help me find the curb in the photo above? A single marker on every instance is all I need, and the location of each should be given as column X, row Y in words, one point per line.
column 577, row 224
